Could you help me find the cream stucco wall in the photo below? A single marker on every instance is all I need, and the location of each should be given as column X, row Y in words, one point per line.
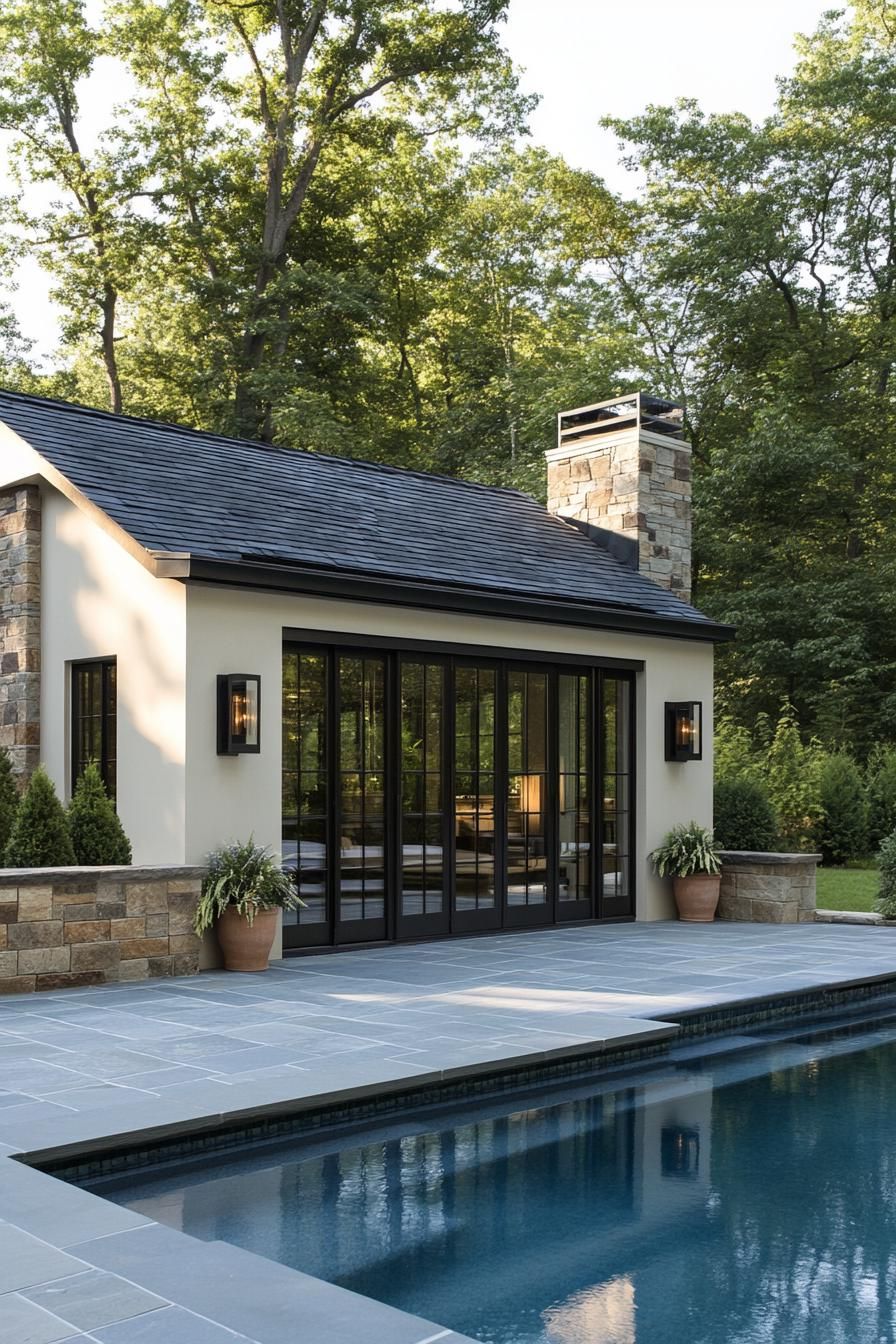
column 229, row 630
column 97, row 601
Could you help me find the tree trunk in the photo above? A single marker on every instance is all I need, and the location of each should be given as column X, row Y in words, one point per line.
column 107, row 336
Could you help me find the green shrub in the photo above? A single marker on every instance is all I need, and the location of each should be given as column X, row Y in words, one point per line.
column 9, row 799
column 841, row 832
column 880, row 795
column 886, row 858
column 793, row 783
column 744, row 816
column 40, row 836
column 97, row 835
column 733, row 751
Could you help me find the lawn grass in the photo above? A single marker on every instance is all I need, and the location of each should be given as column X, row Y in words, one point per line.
column 847, row 888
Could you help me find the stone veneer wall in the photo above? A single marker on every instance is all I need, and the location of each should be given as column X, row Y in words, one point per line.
column 20, row 627
column 635, row 484
column 64, row 927
column 768, row 888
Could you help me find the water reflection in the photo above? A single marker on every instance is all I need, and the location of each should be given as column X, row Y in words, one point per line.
column 700, row 1207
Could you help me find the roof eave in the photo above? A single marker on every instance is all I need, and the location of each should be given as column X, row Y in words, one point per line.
column 444, row 597
column 32, row 466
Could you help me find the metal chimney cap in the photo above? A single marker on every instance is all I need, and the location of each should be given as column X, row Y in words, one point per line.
column 634, row 410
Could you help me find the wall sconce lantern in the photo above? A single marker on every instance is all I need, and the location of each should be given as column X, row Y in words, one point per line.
column 239, row 714
column 680, row 1151
column 684, row 730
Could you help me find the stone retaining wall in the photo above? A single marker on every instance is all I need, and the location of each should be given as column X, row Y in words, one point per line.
column 768, row 888
column 65, row 927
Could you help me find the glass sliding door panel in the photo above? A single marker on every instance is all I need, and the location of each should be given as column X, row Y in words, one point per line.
column 527, row 779
column 422, row 806
column 574, row 791
column 361, row 766
column 616, row 724
column 305, row 782
column 474, row 788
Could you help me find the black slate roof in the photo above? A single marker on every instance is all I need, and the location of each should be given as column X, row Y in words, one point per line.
column 232, row 500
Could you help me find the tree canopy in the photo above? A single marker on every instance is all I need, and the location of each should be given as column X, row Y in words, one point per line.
column 320, row 223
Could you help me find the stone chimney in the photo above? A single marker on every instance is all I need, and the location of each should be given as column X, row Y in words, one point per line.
column 621, row 472
column 20, row 627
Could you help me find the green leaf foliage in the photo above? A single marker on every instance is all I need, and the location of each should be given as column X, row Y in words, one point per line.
column 247, row 877
column 734, row 751
column 321, row 225
column 9, row 799
column 97, row 834
column 842, row 830
column 40, row 835
column 743, row 815
column 686, row 850
column 792, row 773
column 880, row 795
column 886, row 858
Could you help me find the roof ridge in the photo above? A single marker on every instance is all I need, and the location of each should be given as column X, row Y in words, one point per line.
column 285, row 449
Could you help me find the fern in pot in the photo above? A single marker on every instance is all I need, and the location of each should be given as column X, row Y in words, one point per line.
column 242, row 892
column 690, row 856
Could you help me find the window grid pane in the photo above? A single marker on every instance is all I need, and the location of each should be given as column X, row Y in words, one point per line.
column 94, row 728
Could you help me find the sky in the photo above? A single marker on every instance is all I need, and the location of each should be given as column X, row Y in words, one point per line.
column 589, row 59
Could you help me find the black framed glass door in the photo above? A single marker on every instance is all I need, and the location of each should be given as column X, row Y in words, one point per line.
column 575, row 820
column 425, row 795
column 360, row 813
column 424, row 839
column 616, row 898
column 478, row 807
column 529, row 833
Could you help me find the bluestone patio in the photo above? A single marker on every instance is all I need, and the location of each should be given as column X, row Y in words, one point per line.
column 164, row 1058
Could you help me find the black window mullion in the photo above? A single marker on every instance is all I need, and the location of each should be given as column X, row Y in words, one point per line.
column 502, row 785
column 448, row 781
column 597, row 792
column 393, row 784
column 334, row 816
column 551, row 818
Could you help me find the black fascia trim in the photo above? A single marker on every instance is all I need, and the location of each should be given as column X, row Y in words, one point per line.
column 438, row 597
column 486, row 653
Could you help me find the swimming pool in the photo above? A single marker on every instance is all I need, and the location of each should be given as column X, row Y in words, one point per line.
column 743, row 1191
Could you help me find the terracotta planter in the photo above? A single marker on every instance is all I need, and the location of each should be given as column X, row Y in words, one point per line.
column 245, row 946
column 697, row 897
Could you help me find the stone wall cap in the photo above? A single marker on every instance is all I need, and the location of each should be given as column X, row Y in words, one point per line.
column 44, row 877
column 735, row 856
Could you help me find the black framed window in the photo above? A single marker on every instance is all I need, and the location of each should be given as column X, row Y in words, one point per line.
column 94, row 735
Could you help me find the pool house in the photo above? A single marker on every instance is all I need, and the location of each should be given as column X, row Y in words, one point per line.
column 450, row 707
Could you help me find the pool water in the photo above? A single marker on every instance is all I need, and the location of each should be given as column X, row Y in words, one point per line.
column 745, row 1194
